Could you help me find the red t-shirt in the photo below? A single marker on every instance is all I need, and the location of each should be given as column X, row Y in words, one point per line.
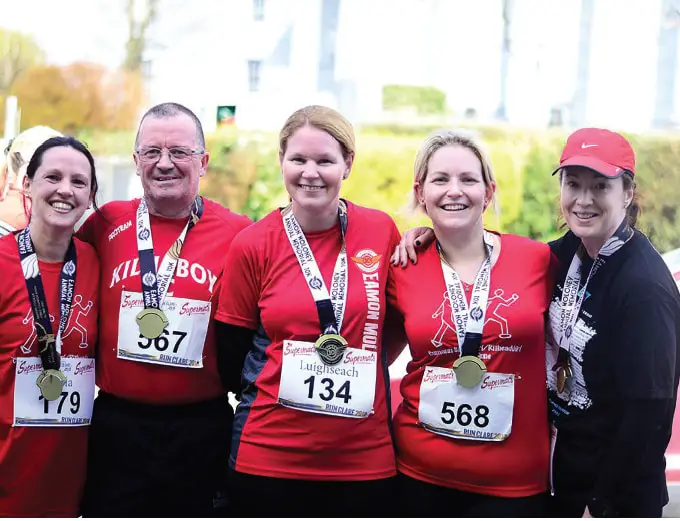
column 42, row 469
column 264, row 288
column 513, row 342
column 197, row 276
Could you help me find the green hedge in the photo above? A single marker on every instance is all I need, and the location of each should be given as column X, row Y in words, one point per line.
column 423, row 100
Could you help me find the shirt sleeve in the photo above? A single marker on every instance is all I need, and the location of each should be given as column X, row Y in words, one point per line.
column 644, row 347
column 239, row 293
column 90, row 229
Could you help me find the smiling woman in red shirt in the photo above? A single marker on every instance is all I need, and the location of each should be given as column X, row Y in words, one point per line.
column 472, row 431
column 300, row 324
column 48, row 313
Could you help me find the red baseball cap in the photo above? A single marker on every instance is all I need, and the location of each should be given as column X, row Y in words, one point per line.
column 608, row 153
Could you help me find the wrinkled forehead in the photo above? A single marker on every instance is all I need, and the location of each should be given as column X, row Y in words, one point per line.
column 179, row 130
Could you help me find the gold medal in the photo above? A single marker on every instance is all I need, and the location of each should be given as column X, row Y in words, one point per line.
column 469, row 371
column 151, row 322
column 563, row 372
column 330, row 348
column 51, row 382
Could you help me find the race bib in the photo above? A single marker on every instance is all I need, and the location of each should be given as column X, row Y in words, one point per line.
column 346, row 389
column 482, row 413
column 72, row 409
column 180, row 344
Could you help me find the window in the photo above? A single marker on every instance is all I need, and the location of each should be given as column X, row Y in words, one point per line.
column 254, row 67
column 258, row 10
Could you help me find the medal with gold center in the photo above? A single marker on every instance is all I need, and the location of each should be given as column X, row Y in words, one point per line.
column 51, row 383
column 151, row 322
column 469, row 371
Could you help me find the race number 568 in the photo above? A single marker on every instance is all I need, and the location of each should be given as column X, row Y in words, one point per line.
column 464, row 414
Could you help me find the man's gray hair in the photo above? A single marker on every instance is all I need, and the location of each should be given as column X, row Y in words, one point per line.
column 169, row 110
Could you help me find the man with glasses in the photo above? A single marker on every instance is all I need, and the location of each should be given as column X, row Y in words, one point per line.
column 161, row 427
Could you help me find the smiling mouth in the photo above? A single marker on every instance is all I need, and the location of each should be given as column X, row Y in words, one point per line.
column 166, row 178
column 62, row 206
column 584, row 216
column 454, row 207
column 310, row 188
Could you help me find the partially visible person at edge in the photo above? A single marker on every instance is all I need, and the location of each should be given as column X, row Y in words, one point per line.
column 161, row 424
column 612, row 362
column 12, row 172
column 612, row 355
column 48, row 318
column 472, row 432
column 301, row 313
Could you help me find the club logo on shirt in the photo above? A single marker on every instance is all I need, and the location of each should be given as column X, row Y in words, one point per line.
column 367, row 261
column 315, row 283
column 185, row 269
column 76, row 325
column 495, row 312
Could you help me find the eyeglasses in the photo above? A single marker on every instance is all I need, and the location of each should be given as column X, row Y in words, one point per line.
column 177, row 154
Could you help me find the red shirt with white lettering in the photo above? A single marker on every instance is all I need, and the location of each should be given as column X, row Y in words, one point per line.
column 42, row 469
column 513, row 342
column 197, row 276
column 265, row 289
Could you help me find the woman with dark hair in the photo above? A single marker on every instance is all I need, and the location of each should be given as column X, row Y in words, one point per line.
column 612, row 359
column 48, row 331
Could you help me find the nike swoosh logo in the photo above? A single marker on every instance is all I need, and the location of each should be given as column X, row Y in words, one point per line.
column 583, row 145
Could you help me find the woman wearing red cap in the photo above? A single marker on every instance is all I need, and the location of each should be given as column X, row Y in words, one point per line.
column 614, row 335
column 613, row 339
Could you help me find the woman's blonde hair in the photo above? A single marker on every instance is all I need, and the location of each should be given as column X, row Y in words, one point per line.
column 447, row 138
column 19, row 154
column 323, row 118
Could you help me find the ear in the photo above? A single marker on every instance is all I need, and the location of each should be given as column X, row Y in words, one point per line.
column 490, row 191
column 348, row 164
column 137, row 164
column 418, row 192
column 27, row 186
column 204, row 164
column 628, row 196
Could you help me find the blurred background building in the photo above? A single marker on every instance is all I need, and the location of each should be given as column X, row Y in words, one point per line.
column 528, row 62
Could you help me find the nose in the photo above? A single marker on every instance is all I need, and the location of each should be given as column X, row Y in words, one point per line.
column 585, row 197
column 453, row 188
column 309, row 171
column 64, row 188
column 164, row 163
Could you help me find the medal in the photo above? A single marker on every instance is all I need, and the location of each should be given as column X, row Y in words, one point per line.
column 151, row 322
column 51, row 382
column 563, row 372
column 469, row 371
column 330, row 348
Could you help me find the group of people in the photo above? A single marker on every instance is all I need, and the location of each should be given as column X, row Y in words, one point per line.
column 542, row 380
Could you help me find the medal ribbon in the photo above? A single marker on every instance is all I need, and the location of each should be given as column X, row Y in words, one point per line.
column 155, row 284
column 572, row 292
column 330, row 307
column 469, row 320
column 50, row 349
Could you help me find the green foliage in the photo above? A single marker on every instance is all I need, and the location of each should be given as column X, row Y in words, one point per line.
column 424, row 100
column 18, row 53
column 658, row 179
column 244, row 174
